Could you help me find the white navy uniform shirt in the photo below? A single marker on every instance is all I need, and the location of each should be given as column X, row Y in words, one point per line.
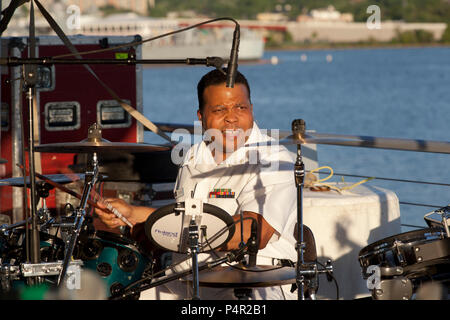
column 256, row 178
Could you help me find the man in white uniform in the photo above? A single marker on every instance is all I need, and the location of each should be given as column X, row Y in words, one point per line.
column 236, row 169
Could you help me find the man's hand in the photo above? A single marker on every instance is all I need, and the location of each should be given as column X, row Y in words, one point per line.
column 134, row 214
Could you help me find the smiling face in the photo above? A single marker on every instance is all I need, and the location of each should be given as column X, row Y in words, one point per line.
column 227, row 116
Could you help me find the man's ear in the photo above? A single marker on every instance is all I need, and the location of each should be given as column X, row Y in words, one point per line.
column 199, row 115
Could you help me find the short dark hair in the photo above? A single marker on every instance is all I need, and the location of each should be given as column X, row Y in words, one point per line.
column 216, row 77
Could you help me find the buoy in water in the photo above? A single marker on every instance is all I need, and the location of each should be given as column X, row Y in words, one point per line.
column 329, row 58
column 303, row 57
column 274, row 60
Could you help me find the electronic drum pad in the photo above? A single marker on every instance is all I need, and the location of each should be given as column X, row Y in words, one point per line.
column 167, row 228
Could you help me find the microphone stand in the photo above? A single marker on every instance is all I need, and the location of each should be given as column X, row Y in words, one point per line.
column 306, row 273
column 298, row 129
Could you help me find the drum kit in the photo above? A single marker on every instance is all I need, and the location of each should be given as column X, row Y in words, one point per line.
column 395, row 266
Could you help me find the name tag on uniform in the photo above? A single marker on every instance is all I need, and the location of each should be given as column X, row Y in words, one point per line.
column 221, row 193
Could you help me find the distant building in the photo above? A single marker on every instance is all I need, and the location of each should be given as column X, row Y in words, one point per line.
column 326, row 14
column 190, row 14
column 271, row 16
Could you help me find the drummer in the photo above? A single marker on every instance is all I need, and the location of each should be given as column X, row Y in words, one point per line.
column 235, row 169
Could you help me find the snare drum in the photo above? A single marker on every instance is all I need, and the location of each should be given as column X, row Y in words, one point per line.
column 414, row 254
column 114, row 257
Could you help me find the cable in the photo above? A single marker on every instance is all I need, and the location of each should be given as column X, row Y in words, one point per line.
column 332, row 277
column 388, row 179
column 319, row 182
column 133, row 284
column 419, row 204
column 136, row 43
column 233, row 266
column 226, row 228
column 372, row 178
column 411, row 226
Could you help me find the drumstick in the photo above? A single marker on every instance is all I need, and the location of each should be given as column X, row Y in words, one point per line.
column 90, row 202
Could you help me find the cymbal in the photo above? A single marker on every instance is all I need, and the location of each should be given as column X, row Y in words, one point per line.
column 239, row 276
column 59, row 178
column 99, row 147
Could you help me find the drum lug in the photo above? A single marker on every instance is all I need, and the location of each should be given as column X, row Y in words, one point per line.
column 391, row 271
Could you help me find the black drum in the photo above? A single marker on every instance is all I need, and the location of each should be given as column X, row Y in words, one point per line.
column 423, row 253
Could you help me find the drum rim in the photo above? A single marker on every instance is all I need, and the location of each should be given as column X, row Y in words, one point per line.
column 388, row 242
column 168, row 209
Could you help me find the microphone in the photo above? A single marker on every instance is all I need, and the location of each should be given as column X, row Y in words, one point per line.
column 253, row 244
column 232, row 63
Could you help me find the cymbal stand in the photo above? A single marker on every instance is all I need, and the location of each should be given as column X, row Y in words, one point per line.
column 306, row 273
column 80, row 215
